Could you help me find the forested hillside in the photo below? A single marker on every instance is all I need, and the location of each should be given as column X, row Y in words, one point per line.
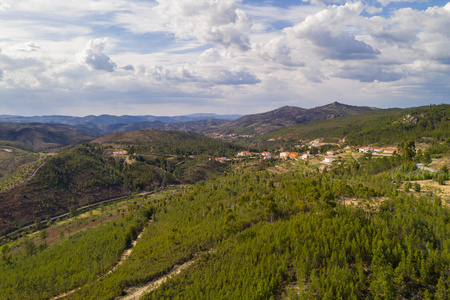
column 90, row 172
column 359, row 226
column 41, row 137
column 349, row 233
column 379, row 127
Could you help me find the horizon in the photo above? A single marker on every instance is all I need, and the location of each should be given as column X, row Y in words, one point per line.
column 209, row 113
column 171, row 57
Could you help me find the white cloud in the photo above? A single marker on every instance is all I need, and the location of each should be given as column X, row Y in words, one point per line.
column 387, row 2
column 209, row 21
column 276, row 50
column 328, row 31
column 94, row 57
column 4, row 6
column 171, row 51
column 27, row 47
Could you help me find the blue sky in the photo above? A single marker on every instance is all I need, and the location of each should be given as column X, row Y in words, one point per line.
column 173, row 57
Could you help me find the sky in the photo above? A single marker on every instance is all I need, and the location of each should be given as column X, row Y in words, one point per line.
column 177, row 57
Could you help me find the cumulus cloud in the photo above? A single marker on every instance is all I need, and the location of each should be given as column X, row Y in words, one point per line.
column 227, row 77
column 28, row 47
column 210, row 55
column 94, row 57
column 324, row 2
column 328, row 31
column 185, row 49
column 387, row 2
column 128, row 68
column 4, row 6
column 374, row 73
column 209, row 21
column 276, row 50
column 202, row 75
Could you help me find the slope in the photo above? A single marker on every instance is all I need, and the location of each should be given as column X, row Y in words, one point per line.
column 90, row 172
column 383, row 127
column 288, row 116
column 41, row 137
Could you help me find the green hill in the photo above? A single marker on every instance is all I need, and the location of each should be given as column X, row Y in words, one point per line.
column 382, row 127
column 91, row 173
column 40, row 137
column 347, row 233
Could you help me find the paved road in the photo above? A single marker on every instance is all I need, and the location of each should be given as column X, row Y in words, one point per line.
column 422, row 166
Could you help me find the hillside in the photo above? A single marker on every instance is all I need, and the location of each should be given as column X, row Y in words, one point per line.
column 383, row 127
column 40, row 137
column 288, row 116
column 347, row 233
column 195, row 126
column 91, row 173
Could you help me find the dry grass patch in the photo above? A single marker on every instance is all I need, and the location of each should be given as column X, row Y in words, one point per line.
column 427, row 186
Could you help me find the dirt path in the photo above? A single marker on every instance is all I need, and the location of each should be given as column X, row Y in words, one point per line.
column 135, row 293
column 124, row 256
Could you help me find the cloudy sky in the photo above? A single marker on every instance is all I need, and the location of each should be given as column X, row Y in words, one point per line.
column 173, row 57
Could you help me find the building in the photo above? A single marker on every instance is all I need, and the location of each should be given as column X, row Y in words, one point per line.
column 266, row 155
column 390, row 150
column 365, row 150
column 306, row 156
column 123, row 152
column 284, row 155
column 221, row 159
column 244, row 154
column 328, row 159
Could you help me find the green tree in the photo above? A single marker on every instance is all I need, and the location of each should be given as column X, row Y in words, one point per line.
column 409, row 151
column 37, row 223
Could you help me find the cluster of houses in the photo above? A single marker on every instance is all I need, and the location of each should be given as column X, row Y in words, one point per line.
column 118, row 153
column 231, row 136
column 282, row 155
column 378, row 150
column 265, row 155
column 329, row 156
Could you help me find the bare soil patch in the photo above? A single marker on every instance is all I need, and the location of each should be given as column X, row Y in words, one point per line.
column 427, row 186
column 438, row 163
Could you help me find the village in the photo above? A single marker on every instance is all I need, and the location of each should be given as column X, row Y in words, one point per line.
column 326, row 158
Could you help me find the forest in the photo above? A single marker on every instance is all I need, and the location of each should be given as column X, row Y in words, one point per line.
column 89, row 173
column 351, row 232
column 366, row 226
column 381, row 127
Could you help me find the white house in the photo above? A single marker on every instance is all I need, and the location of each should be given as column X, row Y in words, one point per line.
column 328, row 159
column 244, row 153
column 306, row 156
column 365, row 149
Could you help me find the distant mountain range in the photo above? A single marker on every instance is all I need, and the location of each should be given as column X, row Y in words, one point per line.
column 203, row 123
column 111, row 119
column 105, row 124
